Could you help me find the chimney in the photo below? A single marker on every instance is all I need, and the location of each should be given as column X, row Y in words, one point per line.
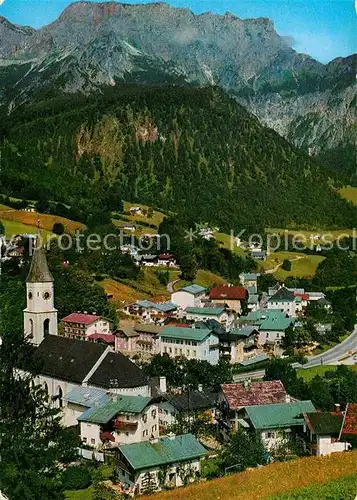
column 162, row 384
column 171, row 436
column 246, row 384
column 200, row 387
column 337, row 408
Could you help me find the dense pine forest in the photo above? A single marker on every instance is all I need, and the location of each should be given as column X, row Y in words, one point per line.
column 191, row 151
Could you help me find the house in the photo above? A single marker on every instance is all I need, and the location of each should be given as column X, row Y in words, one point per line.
column 324, row 431
column 121, row 420
column 135, row 210
column 250, row 280
column 77, row 325
column 192, row 343
column 258, row 254
column 152, row 465
column 149, row 260
column 277, row 423
column 253, row 302
column 220, row 314
column 80, row 399
column 271, row 323
column 230, row 295
column 150, row 312
column 272, row 329
column 286, row 301
column 192, row 402
column 189, row 296
column 167, row 260
column 138, row 338
column 233, row 399
column 349, row 426
column 102, row 338
column 128, row 227
column 239, row 344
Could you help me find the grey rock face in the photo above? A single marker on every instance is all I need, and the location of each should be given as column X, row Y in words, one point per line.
column 92, row 44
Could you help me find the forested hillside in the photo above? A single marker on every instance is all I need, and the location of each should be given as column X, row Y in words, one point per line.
column 192, row 151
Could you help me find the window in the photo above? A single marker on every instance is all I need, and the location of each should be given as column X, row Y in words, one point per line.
column 153, row 413
column 145, row 432
column 60, row 397
column 154, row 428
column 31, row 329
column 270, row 434
column 127, row 433
column 92, row 441
column 194, row 354
column 84, row 440
column 145, row 418
column 46, row 327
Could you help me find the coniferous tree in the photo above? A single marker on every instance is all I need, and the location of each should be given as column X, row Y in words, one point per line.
column 33, row 443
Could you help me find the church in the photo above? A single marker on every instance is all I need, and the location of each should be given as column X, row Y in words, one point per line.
column 67, row 363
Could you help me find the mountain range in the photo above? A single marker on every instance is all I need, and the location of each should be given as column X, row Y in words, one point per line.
column 92, row 45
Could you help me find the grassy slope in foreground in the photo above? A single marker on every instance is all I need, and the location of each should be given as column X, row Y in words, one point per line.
column 273, row 479
column 338, row 489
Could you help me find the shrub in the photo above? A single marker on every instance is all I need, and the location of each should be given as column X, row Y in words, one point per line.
column 76, row 478
column 286, row 265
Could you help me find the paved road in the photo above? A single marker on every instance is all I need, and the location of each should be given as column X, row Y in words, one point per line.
column 170, row 286
column 333, row 355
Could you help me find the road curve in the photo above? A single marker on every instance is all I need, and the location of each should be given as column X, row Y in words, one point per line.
column 333, row 355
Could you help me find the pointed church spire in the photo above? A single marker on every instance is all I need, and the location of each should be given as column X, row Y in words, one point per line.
column 39, row 272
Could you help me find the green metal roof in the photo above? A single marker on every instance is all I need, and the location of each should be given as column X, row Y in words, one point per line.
column 176, row 332
column 325, row 422
column 257, row 317
column 165, row 451
column 104, row 413
column 279, row 323
column 205, row 311
column 279, row 415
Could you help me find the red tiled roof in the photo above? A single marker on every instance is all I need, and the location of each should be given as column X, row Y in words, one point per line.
column 84, row 319
column 258, row 393
column 349, row 427
column 107, row 337
column 304, row 296
column 228, row 292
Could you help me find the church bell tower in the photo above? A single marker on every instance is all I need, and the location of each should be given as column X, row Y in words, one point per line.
column 40, row 315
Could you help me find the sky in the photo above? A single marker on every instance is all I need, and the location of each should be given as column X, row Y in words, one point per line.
column 324, row 29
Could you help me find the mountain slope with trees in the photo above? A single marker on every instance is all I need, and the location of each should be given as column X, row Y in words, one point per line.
column 187, row 150
column 94, row 44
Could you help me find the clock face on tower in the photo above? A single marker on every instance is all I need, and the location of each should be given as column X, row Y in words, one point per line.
column 46, row 295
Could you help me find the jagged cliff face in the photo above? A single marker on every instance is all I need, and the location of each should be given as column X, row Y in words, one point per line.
column 91, row 45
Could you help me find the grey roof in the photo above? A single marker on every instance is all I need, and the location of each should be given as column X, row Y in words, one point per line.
column 72, row 360
column 250, row 276
column 255, row 359
column 87, row 396
column 39, row 272
column 253, row 299
column 193, row 400
column 193, row 289
column 283, row 294
column 246, row 331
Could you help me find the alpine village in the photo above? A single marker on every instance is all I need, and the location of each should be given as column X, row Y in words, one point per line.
column 178, row 259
